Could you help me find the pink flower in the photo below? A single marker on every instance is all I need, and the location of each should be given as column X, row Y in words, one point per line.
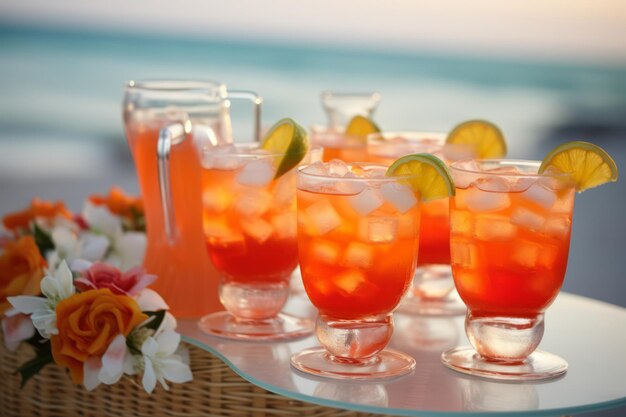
column 100, row 275
column 16, row 329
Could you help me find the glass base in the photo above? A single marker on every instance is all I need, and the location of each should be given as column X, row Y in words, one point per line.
column 283, row 326
column 386, row 364
column 433, row 293
column 538, row 365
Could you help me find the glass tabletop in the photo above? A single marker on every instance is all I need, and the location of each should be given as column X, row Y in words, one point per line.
column 589, row 334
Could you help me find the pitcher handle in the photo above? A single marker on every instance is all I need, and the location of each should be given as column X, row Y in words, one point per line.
column 256, row 100
column 168, row 137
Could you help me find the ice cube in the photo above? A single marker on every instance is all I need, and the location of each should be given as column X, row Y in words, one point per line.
column 337, row 168
column 285, row 189
column 526, row 218
column 526, row 253
column 285, row 225
column 358, row 255
column 558, row 226
column 564, row 202
column 494, row 184
column 349, row 281
column 216, row 230
column 216, row 199
column 350, row 187
column 378, row 229
column 484, row 201
column 494, row 227
column 460, row 222
column 366, row 201
column 257, row 228
column 540, row 195
column 221, row 157
column 253, row 203
column 316, row 168
column 325, row 251
column 462, row 253
column 323, row 216
column 257, row 173
column 399, row 195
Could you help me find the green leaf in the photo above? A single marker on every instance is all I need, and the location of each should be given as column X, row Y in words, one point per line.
column 33, row 366
column 157, row 319
column 42, row 239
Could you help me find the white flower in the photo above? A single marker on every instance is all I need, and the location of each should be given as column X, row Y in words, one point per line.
column 164, row 361
column 55, row 287
column 108, row 369
column 70, row 245
column 125, row 249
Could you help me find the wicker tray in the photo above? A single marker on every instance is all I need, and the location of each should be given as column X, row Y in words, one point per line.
column 215, row 391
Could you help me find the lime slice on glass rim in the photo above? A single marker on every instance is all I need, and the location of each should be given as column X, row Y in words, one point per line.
column 430, row 177
column 587, row 165
column 361, row 126
column 483, row 138
column 290, row 139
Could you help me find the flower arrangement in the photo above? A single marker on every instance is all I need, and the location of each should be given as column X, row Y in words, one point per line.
column 73, row 288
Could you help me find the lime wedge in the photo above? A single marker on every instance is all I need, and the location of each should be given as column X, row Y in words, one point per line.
column 361, row 126
column 290, row 139
column 485, row 137
column 429, row 175
column 587, row 164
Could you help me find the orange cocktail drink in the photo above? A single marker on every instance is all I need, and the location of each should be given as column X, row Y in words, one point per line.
column 510, row 239
column 358, row 235
column 510, row 236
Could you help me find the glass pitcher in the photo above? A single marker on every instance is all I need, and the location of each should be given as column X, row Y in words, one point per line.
column 167, row 123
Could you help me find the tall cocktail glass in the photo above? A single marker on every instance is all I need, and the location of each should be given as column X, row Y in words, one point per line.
column 433, row 290
column 510, row 235
column 358, row 235
column 249, row 223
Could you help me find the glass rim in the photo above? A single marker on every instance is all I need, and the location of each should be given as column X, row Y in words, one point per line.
column 329, row 178
column 166, row 85
column 505, row 162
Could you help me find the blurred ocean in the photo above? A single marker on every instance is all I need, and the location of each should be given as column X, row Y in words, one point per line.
column 61, row 133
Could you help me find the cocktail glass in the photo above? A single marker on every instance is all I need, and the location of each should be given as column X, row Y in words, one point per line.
column 433, row 290
column 249, row 222
column 510, row 234
column 340, row 108
column 358, row 234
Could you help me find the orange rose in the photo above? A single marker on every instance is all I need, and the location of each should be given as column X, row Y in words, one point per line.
column 21, row 270
column 119, row 203
column 87, row 324
column 38, row 208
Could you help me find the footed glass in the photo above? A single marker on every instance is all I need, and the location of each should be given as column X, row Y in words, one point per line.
column 433, row 291
column 510, row 234
column 249, row 223
column 358, row 234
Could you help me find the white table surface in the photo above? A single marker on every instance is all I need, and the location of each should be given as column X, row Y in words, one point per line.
column 589, row 334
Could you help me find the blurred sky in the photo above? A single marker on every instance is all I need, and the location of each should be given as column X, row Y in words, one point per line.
column 579, row 30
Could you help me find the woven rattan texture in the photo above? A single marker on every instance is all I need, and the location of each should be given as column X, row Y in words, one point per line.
column 215, row 391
